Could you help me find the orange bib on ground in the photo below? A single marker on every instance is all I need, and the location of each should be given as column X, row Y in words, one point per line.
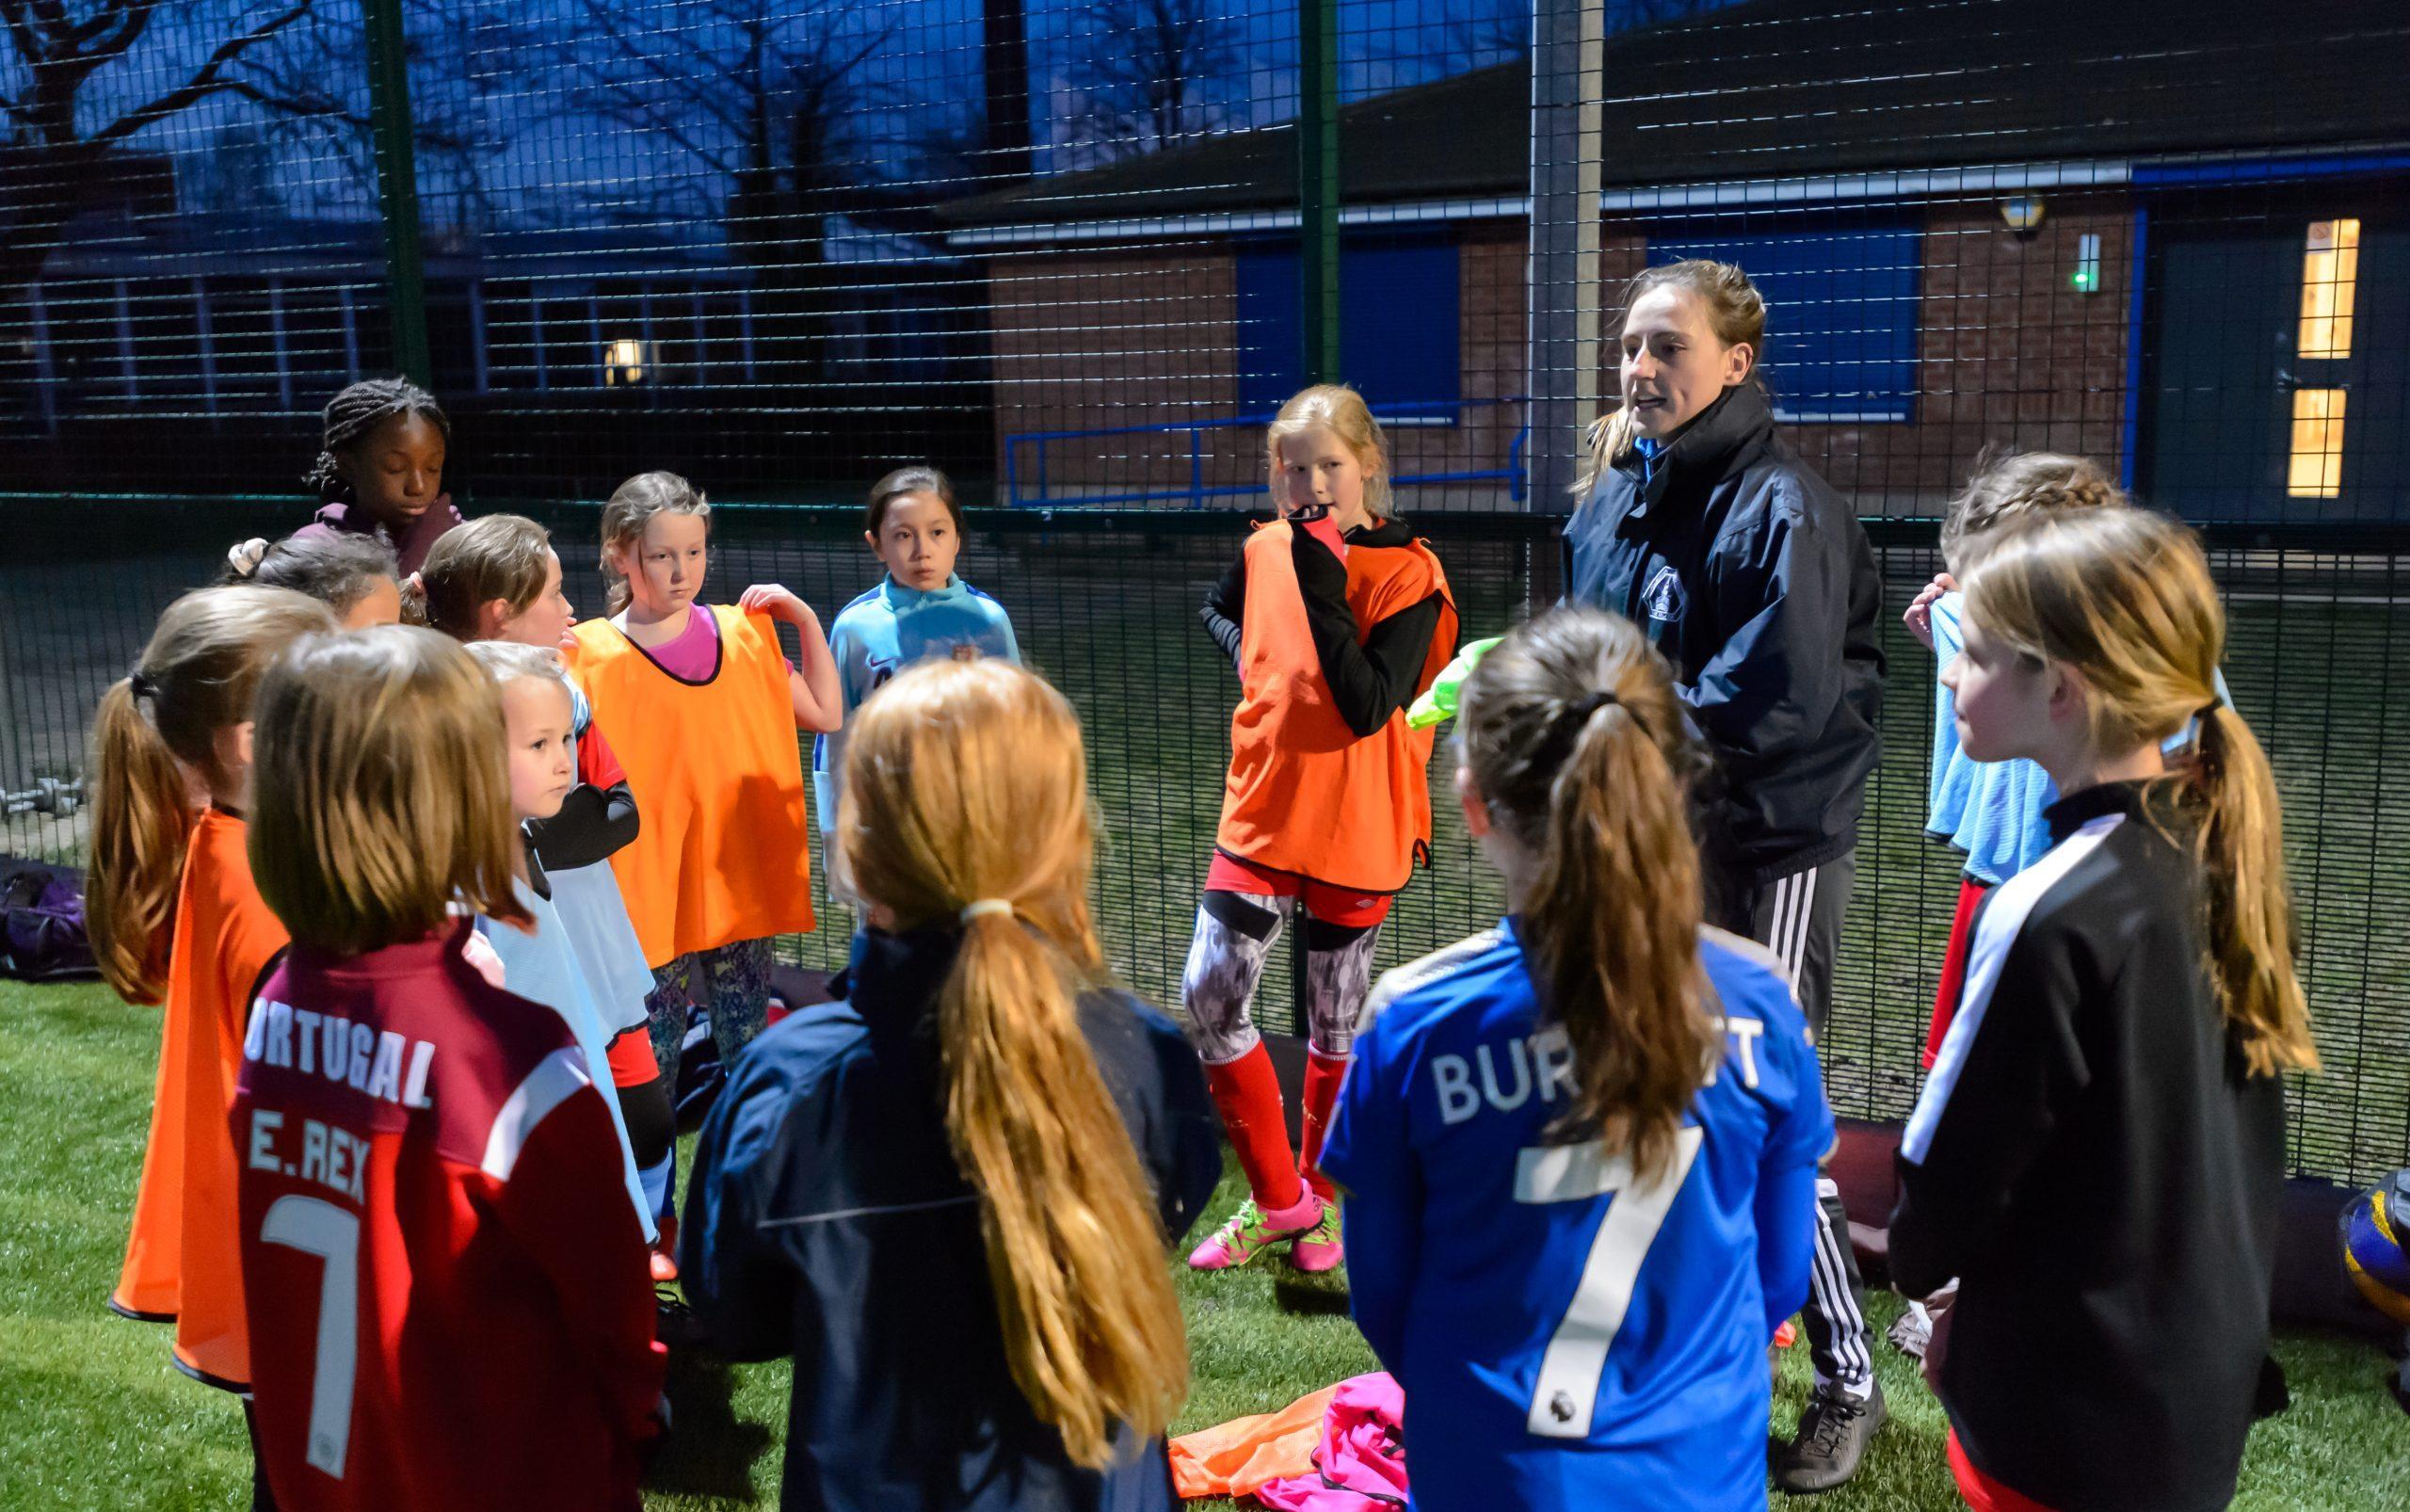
column 1305, row 792
column 1239, row 1457
column 721, row 852
column 181, row 1256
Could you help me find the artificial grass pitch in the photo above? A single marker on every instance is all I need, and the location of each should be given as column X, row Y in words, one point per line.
column 92, row 1416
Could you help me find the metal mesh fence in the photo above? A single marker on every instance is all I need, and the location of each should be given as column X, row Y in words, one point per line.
column 1075, row 253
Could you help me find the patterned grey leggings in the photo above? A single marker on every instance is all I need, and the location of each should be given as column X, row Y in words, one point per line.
column 1235, row 932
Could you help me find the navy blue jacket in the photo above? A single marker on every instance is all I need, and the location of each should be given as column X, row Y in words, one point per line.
column 827, row 1219
column 1754, row 578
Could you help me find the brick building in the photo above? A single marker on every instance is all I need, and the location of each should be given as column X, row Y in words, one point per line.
column 2045, row 224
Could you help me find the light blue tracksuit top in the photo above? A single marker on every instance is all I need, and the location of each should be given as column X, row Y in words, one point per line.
column 886, row 630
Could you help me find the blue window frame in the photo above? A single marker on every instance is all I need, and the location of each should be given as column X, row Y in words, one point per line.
column 1840, row 314
column 1398, row 326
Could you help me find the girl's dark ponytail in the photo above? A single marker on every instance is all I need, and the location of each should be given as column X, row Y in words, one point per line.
column 1573, row 735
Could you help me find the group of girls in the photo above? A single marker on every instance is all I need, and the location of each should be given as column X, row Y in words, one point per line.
column 614, row 909
column 1579, row 1153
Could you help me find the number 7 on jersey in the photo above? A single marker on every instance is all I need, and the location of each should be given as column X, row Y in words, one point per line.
column 319, row 1227
column 1567, row 1389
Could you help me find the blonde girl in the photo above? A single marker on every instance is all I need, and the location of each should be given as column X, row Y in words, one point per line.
column 420, row 1144
column 955, row 1187
column 176, row 920
column 1335, row 617
column 1634, row 1070
column 498, row 579
column 543, row 963
column 702, row 709
column 2101, row 1162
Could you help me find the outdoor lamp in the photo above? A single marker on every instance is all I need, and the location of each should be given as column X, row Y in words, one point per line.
column 2023, row 212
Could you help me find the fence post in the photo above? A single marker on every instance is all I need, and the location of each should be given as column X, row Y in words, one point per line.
column 1318, row 186
column 388, row 109
column 1568, row 39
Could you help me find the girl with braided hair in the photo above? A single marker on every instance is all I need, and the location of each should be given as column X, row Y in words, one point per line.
column 381, row 469
column 1989, row 811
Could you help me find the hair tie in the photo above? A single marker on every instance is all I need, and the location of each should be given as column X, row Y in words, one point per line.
column 138, row 682
column 1566, row 732
column 979, row 906
column 243, row 558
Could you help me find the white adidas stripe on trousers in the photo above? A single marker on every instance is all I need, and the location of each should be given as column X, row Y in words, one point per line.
column 1789, row 919
column 1829, row 1294
column 1794, row 906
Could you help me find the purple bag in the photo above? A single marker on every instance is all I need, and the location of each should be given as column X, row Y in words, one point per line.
column 41, row 922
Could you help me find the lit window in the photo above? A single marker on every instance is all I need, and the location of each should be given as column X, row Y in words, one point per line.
column 624, row 361
column 2330, row 272
column 2087, row 264
column 2318, row 444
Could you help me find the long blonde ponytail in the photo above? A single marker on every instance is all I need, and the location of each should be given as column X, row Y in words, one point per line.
column 2124, row 597
column 141, row 817
column 2240, row 847
column 153, row 738
column 965, row 782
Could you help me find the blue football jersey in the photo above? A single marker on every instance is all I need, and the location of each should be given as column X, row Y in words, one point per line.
column 1568, row 1336
column 890, row 628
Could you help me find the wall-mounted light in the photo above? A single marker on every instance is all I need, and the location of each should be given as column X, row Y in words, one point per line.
column 625, row 361
column 2023, row 212
column 2086, row 278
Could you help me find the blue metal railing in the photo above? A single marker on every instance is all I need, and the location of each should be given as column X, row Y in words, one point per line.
column 1033, row 475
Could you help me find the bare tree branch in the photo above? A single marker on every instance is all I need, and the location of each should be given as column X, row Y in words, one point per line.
column 1147, row 82
column 206, row 81
column 21, row 32
column 754, row 96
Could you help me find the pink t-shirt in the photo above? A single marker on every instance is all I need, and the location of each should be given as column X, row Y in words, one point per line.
column 693, row 655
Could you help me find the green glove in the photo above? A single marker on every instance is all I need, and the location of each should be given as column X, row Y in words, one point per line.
column 1439, row 700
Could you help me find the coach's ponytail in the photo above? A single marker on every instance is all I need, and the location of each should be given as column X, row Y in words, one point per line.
column 1573, row 737
column 2123, row 597
column 155, row 751
column 965, row 804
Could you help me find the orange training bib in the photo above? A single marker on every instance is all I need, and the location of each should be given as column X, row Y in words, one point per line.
column 721, row 852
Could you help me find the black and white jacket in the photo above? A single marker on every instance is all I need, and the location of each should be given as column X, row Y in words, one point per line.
column 2092, row 1160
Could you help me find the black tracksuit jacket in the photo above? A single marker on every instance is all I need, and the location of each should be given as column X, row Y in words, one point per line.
column 2093, row 1164
column 1754, row 578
